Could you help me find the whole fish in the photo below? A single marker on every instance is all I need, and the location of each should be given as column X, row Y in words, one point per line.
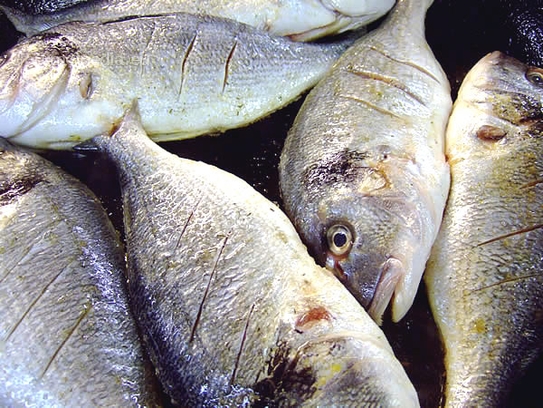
column 233, row 309
column 300, row 19
column 67, row 336
column 363, row 173
column 191, row 74
column 485, row 275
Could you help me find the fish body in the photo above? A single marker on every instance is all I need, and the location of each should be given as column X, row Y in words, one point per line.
column 363, row 173
column 233, row 309
column 191, row 74
column 67, row 336
column 485, row 275
column 300, row 19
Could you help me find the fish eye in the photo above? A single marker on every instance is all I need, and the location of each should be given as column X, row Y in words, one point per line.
column 535, row 76
column 340, row 239
column 3, row 59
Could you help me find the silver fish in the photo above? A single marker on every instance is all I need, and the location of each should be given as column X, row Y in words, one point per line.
column 363, row 173
column 300, row 19
column 67, row 336
column 234, row 310
column 192, row 75
column 485, row 275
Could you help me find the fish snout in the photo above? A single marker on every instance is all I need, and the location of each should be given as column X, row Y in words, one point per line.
column 391, row 274
column 371, row 279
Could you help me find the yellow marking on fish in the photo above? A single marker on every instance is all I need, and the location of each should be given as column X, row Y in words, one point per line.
column 480, row 326
column 336, row 368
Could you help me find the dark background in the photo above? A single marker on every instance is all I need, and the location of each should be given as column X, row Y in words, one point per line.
column 460, row 32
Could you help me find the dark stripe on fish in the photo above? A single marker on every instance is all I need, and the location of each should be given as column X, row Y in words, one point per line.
column 57, row 43
column 515, row 108
column 11, row 190
column 342, row 167
column 285, row 379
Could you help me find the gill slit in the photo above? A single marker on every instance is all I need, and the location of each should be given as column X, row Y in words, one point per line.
column 508, row 280
column 510, row 234
column 406, row 63
column 184, row 63
column 70, row 333
column 206, row 292
column 242, row 344
column 35, row 301
column 145, row 50
column 371, row 106
column 388, row 81
column 227, row 65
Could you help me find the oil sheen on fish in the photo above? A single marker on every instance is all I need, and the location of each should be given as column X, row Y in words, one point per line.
column 67, row 337
column 485, row 275
column 192, row 75
column 299, row 19
column 234, row 310
column 363, row 173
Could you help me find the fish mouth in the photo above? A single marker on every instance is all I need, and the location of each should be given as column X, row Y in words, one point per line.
column 391, row 275
column 42, row 107
column 352, row 15
column 337, row 26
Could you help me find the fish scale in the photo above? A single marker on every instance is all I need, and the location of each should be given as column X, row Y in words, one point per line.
column 67, row 336
column 484, row 278
column 380, row 115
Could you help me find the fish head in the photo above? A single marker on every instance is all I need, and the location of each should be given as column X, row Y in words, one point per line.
column 500, row 105
column 31, row 74
column 46, row 87
column 368, row 232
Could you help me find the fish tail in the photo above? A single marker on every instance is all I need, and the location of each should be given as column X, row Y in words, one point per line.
column 131, row 115
column 409, row 13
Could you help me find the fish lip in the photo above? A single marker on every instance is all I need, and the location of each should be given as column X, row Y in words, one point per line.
column 333, row 263
column 318, row 32
column 42, row 107
column 349, row 9
column 391, row 274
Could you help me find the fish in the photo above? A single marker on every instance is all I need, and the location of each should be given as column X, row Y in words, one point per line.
column 362, row 173
column 302, row 20
column 484, row 278
column 67, row 335
column 233, row 310
column 192, row 75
